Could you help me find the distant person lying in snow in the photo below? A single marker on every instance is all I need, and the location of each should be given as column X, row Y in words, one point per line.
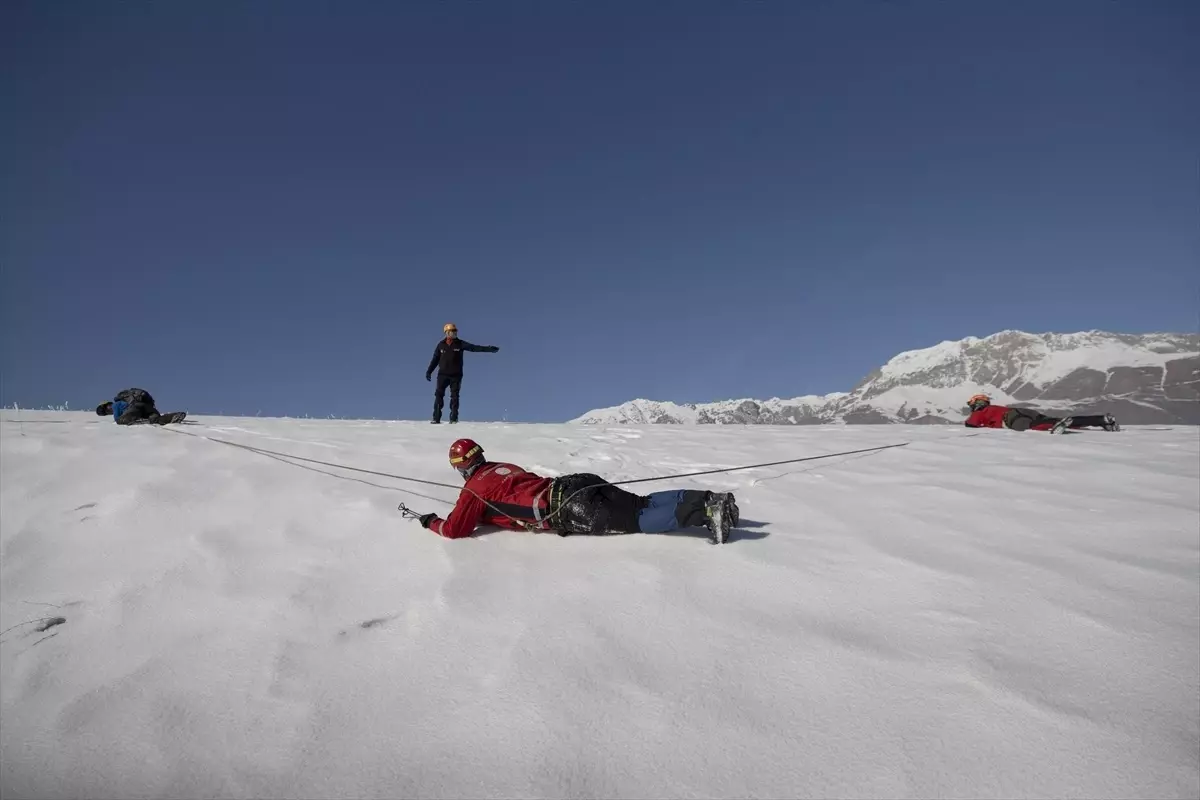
column 986, row 415
column 136, row 407
column 571, row 504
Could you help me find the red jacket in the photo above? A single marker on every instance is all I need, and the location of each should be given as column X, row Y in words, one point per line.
column 507, row 488
column 987, row 417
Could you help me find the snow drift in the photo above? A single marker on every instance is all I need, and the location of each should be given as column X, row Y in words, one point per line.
column 976, row 614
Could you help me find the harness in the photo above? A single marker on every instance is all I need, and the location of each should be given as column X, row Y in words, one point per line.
column 552, row 495
column 553, row 507
column 547, row 493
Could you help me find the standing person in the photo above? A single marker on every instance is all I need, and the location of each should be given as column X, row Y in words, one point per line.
column 448, row 359
column 986, row 415
column 136, row 407
column 507, row 495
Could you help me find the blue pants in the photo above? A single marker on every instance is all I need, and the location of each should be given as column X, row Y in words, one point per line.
column 672, row 510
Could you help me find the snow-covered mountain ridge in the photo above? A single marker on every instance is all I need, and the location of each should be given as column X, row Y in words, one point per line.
column 1142, row 378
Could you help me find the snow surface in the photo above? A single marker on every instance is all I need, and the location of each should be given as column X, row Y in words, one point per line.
column 978, row 614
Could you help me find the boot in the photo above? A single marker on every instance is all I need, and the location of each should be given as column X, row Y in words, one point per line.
column 1062, row 425
column 731, row 510
column 1110, row 423
column 719, row 516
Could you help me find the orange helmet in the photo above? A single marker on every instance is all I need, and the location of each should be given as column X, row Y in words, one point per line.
column 466, row 456
column 979, row 401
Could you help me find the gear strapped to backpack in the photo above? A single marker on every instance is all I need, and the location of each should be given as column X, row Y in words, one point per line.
column 1022, row 419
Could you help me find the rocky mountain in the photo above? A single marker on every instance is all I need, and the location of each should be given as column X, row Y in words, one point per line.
column 1141, row 378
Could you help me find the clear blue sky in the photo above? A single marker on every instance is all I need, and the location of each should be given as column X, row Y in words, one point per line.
column 274, row 207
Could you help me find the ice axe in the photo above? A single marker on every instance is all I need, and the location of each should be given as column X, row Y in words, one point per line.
column 408, row 512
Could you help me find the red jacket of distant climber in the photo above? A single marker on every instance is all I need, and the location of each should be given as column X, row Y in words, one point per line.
column 987, row 417
column 507, row 488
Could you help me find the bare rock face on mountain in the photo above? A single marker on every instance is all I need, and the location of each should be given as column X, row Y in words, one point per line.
column 1142, row 379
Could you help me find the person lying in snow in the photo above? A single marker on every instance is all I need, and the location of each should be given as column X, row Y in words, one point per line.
column 136, row 407
column 517, row 498
column 986, row 415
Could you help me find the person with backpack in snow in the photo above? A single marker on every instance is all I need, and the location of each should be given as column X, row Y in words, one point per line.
column 985, row 415
column 504, row 494
column 136, row 407
column 448, row 359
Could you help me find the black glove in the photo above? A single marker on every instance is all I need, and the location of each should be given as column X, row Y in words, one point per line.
column 427, row 376
column 493, row 349
column 425, row 519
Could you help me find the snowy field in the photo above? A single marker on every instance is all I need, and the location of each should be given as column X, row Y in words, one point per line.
column 978, row 614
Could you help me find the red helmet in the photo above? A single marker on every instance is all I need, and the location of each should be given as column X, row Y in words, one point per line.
column 466, row 456
column 979, row 401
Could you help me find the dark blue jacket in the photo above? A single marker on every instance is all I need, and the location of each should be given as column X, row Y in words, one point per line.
column 133, row 405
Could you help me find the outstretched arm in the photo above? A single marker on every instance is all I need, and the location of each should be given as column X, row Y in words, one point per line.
column 479, row 348
column 467, row 513
column 976, row 419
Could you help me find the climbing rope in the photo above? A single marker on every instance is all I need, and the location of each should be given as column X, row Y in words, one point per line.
column 760, row 466
column 264, row 451
column 522, row 523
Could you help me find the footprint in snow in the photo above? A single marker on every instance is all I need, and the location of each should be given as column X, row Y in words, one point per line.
column 367, row 624
column 39, row 626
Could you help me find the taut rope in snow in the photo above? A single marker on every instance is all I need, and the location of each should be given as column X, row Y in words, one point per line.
column 282, row 456
column 265, row 452
column 278, row 456
column 759, row 466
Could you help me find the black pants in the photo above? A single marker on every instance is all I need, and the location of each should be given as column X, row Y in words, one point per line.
column 598, row 509
column 143, row 414
column 439, row 395
column 1022, row 419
